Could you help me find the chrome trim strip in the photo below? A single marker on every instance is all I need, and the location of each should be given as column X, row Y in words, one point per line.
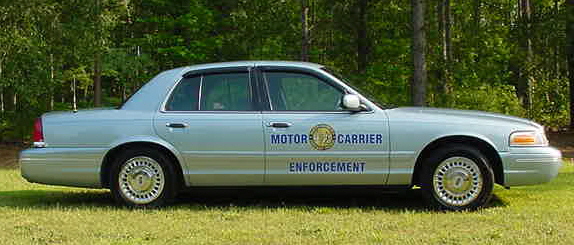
column 235, row 153
column 337, row 153
column 210, row 112
column 539, row 160
column 403, row 152
column 318, row 112
column 200, row 93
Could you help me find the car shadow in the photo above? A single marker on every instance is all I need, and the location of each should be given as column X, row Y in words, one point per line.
column 407, row 200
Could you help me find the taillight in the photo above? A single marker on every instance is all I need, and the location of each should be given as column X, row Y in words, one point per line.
column 38, row 135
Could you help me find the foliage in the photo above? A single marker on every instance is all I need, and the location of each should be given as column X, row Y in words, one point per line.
column 498, row 57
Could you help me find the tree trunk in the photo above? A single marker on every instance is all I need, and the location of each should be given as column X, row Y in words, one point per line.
column 1, row 91
column 51, row 102
column 524, row 84
column 419, row 81
column 557, row 72
column 570, row 54
column 305, row 30
column 97, row 80
column 362, row 38
column 446, row 43
column 74, row 103
column 476, row 31
column 2, row 100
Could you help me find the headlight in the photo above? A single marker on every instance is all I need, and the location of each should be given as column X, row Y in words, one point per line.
column 528, row 138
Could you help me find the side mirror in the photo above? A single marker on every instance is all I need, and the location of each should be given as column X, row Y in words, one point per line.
column 352, row 102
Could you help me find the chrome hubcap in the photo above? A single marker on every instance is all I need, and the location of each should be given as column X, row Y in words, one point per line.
column 141, row 180
column 457, row 181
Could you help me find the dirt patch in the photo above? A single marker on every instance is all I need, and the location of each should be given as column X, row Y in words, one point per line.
column 564, row 141
column 9, row 156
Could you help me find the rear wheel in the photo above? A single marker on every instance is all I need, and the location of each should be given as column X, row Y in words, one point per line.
column 143, row 178
column 457, row 177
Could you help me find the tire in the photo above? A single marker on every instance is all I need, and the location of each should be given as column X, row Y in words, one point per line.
column 143, row 178
column 457, row 177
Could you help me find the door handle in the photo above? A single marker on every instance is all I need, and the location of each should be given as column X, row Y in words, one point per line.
column 279, row 124
column 176, row 125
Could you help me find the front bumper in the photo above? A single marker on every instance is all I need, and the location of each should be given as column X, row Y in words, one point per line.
column 530, row 165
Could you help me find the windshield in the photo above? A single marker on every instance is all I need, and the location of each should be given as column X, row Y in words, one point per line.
column 365, row 93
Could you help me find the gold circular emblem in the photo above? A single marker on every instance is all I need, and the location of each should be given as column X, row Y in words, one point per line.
column 322, row 137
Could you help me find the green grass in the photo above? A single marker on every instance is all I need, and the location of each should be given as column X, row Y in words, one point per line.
column 38, row 214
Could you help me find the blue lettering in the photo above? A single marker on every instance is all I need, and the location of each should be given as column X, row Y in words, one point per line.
column 379, row 139
column 347, row 139
column 298, row 167
column 319, row 167
column 371, row 138
column 304, row 138
column 275, row 138
column 340, row 167
column 297, row 139
column 361, row 138
column 325, row 167
column 354, row 137
column 283, row 139
column 312, row 167
column 356, row 167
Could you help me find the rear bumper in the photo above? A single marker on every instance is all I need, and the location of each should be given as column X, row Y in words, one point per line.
column 78, row 167
column 530, row 165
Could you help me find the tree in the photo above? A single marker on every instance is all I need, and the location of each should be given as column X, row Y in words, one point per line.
column 570, row 54
column 362, row 37
column 525, row 72
column 419, row 42
column 445, row 23
column 305, row 42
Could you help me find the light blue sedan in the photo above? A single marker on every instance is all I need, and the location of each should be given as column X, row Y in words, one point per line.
column 269, row 123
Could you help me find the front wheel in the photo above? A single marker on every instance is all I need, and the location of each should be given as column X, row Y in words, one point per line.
column 457, row 177
column 143, row 178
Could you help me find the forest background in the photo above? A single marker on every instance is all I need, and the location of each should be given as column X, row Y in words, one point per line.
column 510, row 56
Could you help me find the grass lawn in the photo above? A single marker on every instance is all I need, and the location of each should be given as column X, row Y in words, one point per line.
column 38, row 214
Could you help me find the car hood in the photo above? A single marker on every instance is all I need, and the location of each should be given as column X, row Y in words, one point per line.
column 465, row 116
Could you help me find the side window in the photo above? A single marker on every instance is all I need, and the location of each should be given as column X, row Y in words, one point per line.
column 226, row 92
column 301, row 92
column 185, row 96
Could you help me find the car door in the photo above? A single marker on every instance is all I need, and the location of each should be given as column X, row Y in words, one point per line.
column 213, row 120
column 311, row 140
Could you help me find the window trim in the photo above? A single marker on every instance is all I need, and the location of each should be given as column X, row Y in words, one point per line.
column 214, row 71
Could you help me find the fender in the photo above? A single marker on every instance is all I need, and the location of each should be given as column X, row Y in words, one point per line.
column 154, row 140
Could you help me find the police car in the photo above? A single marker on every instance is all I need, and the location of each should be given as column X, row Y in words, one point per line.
column 269, row 123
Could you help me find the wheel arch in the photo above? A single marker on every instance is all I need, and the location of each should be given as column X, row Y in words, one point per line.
column 166, row 149
column 482, row 145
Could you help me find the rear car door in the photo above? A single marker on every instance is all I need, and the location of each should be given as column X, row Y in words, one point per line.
column 311, row 140
column 212, row 118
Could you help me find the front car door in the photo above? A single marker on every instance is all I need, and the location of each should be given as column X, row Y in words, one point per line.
column 212, row 118
column 311, row 140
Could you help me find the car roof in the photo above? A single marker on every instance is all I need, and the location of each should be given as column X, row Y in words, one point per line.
column 254, row 63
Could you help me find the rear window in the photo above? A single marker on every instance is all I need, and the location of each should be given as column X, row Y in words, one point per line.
column 212, row 92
